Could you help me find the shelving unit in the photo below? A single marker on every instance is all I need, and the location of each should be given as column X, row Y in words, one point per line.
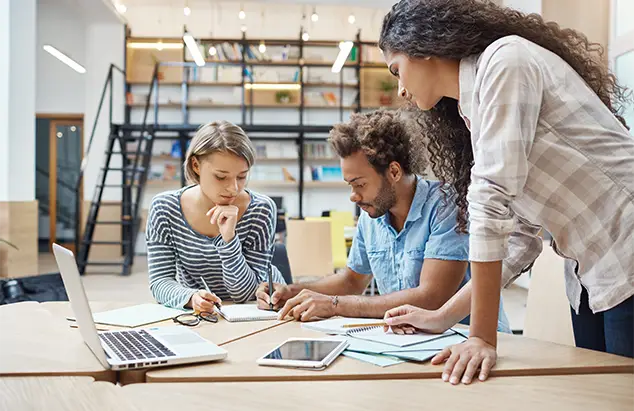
column 191, row 94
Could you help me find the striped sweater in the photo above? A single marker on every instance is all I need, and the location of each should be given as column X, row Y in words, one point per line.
column 178, row 256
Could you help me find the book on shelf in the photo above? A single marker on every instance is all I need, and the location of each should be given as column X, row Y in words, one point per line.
column 326, row 173
column 318, row 150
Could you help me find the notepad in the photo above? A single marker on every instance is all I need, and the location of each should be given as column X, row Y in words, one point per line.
column 136, row 315
column 335, row 325
column 245, row 312
column 380, row 360
column 377, row 334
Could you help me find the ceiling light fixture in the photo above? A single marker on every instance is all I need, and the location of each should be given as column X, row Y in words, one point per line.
column 344, row 51
column 121, row 8
column 262, row 47
column 192, row 46
column 64, row 59
column 159, row 45
column 271, row 86
column 351, row 18
column 305, row 36
column 314, row 17
column 212, row 51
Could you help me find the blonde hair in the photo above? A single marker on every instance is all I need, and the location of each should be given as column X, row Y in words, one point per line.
column 218, row 136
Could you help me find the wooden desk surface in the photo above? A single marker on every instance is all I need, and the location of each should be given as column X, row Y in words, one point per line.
column 517, row 356
column 60, row 394
column 220, row 333
column 35, row 342
column 605, row 392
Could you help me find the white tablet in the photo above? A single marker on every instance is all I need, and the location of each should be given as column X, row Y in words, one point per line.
column 305, row 353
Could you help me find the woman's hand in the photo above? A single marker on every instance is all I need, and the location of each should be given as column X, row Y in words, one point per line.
column 226, row 216
column 407, row 319
column 464, row 360
column 203, row 301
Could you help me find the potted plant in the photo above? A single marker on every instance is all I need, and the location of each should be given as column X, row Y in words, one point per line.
column 387, row 96
column 283, row 97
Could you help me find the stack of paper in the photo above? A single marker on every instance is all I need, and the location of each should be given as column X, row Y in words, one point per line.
column 375, row 346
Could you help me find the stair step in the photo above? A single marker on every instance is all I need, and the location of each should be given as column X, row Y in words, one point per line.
column 116, row 185
column 128, row 168
column 106, row 242
column 105, row 263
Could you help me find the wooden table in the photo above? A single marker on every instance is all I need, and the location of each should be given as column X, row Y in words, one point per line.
column 60, row 394
column 33, row 342
column 605, row 392
column 517, row 356
column 220, row 333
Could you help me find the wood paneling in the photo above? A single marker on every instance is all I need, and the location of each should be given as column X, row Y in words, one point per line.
column 18, row 224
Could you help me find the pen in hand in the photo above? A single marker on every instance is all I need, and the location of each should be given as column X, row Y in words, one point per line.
column 209, row 291
column 271, row 289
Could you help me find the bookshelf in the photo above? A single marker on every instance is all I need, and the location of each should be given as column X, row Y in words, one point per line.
column 242, row 84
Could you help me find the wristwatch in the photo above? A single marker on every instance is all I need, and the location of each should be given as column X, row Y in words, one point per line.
column 335, row 301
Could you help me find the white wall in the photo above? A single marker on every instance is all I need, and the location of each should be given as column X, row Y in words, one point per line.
column 262, row 21
column 21, row 102
column 526, row 6
column 59, row 88
column 4, row 99
column 104, row 46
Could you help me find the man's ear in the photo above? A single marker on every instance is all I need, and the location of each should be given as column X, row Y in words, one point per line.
column 395, row 171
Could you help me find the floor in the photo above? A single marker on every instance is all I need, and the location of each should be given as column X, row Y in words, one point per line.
column 134, row 288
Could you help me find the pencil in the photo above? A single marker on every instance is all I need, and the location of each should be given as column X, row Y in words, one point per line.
column 378, row 324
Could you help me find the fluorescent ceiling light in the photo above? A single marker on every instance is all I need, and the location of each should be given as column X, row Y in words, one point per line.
column 64, row 59
column 271, row 86
column 344, row 50
column 192, row 46
column 157, row 45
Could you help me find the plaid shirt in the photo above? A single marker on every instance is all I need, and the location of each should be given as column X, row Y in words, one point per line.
column 548, row 153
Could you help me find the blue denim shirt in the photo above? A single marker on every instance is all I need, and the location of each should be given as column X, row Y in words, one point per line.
column 396, row 259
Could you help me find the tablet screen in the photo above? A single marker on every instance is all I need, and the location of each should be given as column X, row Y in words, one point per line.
column 303, row 350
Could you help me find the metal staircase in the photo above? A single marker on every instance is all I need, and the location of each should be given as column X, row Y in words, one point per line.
column 133, row 169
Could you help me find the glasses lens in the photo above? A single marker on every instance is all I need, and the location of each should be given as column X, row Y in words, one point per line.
column 211, row 317
column 187, row 319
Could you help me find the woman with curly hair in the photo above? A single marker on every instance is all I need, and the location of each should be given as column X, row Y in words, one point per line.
column 522, row 118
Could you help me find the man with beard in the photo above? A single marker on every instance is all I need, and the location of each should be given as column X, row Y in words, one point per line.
column 406, row 235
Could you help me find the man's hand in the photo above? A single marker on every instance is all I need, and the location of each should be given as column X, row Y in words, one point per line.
column 308, row 305
column 281, row 293
column 226, row 216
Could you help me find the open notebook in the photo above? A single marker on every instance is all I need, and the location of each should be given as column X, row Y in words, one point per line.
column 136, row 315
column 372, row 333
column 245, row 312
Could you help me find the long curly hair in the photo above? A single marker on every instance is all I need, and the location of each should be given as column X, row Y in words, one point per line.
column 456, row 29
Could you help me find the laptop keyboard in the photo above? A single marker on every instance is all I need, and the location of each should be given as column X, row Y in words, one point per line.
column 135, row 345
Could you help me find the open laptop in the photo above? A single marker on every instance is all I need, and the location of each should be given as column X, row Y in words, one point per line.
column 138, row 348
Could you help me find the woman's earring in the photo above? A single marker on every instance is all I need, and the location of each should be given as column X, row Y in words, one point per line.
column 402, row 91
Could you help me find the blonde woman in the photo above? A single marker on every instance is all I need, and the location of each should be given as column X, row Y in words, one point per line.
column 214, row 228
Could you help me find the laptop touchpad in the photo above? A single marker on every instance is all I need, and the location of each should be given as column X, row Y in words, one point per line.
column 182, row 338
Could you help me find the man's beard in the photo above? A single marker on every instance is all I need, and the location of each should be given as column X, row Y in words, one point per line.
column 383, row 202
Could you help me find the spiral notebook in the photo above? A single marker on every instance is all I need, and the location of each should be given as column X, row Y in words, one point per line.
column 377, row 334
column 245, row 312
column 372, row 333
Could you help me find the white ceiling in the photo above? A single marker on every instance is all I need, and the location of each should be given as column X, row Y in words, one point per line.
column 192, row 3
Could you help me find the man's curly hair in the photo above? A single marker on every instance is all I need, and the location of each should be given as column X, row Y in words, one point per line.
column 383, row 136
